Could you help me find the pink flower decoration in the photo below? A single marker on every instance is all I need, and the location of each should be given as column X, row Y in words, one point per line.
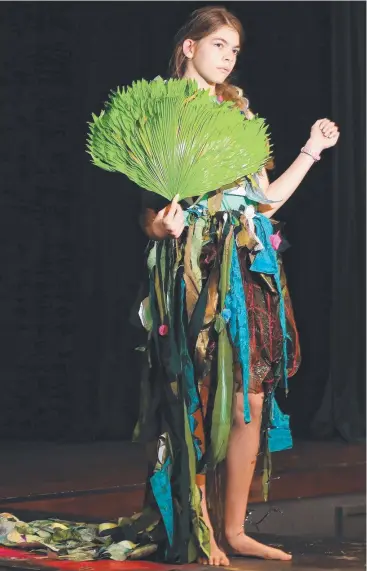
column 275, row 240
column 220, row 99
column 163, row 330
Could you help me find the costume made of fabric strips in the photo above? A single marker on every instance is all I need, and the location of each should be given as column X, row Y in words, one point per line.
column 219, row 318
column 220, row 321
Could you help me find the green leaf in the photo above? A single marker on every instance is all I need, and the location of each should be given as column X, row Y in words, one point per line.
column 120, row 551
column 144, row 551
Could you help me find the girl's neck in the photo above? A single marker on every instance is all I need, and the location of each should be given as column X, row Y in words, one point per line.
column 192, row 74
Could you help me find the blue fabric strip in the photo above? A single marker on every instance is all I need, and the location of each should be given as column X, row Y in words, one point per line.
column 235, row 301
column 161, row 487
column 280, row 437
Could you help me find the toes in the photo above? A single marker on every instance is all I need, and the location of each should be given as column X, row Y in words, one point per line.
column 285, row 556
column 216, row 561
column 278, row 554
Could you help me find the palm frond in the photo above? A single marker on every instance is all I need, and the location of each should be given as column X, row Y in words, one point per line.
column 174, row 138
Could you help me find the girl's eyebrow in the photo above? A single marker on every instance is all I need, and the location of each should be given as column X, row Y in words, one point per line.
column 225, row 41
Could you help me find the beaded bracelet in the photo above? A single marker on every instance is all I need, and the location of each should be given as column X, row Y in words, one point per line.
column 315, row 156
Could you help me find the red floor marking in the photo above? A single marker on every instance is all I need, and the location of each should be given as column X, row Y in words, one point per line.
column 105, row 564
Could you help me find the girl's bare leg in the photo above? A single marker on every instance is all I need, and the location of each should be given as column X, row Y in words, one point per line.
column 217, row 556
column 240, row 463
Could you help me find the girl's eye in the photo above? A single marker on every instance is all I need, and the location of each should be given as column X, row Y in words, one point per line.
column 220, row 45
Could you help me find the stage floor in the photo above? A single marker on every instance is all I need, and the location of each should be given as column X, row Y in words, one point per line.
column 317, row 504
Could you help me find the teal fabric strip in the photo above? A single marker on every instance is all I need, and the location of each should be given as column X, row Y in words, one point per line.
column 235, row 302
column 233, row 201
column 161, row 487
column 280, row 437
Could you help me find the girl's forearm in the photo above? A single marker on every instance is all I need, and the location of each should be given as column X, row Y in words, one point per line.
column 285, row 185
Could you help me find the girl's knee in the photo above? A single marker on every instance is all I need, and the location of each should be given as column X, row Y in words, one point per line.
column 256, row 401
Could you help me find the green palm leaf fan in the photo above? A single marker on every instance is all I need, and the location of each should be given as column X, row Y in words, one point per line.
column 170, row 137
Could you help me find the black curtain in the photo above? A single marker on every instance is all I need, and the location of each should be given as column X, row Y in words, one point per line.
column 71, row 249
column 343, row 407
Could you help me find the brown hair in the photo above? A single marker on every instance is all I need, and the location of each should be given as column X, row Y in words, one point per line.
column 201, row 23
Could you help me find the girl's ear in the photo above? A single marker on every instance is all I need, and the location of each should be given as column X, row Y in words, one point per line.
column 188, row 48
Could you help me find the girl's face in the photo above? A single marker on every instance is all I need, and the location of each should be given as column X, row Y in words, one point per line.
column 212, row 59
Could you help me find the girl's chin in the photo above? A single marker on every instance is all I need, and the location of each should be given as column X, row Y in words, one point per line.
column 221, row 78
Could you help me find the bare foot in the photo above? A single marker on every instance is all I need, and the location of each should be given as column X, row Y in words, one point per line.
column 245, row 545
column 217, row 556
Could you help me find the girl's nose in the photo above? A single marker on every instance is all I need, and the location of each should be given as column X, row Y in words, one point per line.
column 229, row 56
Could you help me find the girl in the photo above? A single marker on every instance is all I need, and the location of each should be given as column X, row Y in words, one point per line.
column 221, row 339
column 194, row 387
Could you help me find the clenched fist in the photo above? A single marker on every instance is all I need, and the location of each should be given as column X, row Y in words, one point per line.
column 324, row 134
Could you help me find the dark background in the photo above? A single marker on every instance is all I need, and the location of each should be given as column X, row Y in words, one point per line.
column 71, row 249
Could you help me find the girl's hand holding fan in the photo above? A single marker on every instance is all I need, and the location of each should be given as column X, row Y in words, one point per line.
column 169, row 221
